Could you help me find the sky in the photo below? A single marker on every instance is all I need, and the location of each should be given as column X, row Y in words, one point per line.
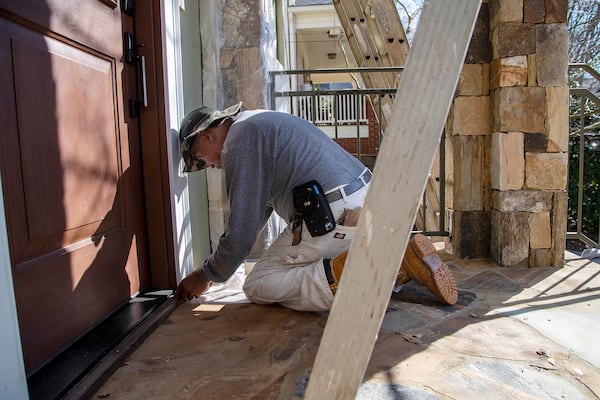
column 409, row 15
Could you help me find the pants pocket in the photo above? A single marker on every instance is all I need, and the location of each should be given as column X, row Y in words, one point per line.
column 333, row 243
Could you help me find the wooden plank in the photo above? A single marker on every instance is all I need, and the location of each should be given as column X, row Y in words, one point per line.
column 422, row 103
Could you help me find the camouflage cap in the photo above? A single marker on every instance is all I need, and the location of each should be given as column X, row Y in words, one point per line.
column 194, row 122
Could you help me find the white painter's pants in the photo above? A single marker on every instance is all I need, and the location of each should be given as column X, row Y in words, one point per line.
column 294, row 276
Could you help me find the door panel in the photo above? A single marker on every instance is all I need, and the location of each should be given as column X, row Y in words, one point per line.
column 71, row 170
column 83, row 141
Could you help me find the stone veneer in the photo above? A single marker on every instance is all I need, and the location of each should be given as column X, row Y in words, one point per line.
column 241, row 58
column 508, row 135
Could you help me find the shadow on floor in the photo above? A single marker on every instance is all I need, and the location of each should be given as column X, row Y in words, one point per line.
column 515, row 332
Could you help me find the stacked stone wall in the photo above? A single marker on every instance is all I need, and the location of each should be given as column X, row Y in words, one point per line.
column 508, row 130
column 241, row 59
column 468, row 138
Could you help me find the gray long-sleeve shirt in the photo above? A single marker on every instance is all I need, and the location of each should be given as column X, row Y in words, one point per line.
column 265, row 155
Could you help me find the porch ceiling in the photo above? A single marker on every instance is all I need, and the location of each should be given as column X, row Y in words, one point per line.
column 321, row 48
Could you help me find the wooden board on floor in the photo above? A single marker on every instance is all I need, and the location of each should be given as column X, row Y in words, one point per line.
column 220, row 351
column 422, row 102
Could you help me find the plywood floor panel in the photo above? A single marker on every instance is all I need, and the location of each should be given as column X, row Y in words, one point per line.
column 240, row 351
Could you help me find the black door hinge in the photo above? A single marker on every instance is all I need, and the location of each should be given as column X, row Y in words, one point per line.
column 129, row 48
column 130, row 55
column 128, row 6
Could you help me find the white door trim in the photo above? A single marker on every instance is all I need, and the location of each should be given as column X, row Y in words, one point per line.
column 13, row 380
column 178, row 182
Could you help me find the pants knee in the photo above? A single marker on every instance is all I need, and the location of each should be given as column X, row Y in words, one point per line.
column 250, row 289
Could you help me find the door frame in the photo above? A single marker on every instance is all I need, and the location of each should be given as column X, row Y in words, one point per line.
column 154, row 146
column 166, row 188
column 175, row 228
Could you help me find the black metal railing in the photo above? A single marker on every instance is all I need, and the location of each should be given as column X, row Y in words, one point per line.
column 342, row 113
column 584, row 155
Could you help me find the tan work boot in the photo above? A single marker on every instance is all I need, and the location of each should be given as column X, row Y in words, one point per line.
column 422, row 263
column 337, row 266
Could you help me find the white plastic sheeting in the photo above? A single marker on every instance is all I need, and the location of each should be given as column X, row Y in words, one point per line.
column 591, row 253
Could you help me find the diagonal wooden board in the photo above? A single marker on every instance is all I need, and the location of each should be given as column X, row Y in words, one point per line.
column 423, row 99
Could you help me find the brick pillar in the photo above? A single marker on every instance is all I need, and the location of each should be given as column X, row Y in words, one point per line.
column 529, row 102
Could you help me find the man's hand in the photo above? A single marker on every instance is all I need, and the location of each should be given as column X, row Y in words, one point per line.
column 192, row 286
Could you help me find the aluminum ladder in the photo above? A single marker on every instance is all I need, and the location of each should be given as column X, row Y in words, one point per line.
column 377, row 39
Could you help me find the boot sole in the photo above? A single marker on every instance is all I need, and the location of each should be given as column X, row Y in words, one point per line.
column 425, row 266
column 402, row 276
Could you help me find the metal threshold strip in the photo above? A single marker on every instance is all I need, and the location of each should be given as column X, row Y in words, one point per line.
column 81, row 368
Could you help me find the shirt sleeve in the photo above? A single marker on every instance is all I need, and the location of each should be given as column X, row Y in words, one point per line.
column 248, row 166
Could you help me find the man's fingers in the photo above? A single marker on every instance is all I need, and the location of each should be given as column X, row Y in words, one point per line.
column 182, row 291
column 191, row 287
column 181, row 295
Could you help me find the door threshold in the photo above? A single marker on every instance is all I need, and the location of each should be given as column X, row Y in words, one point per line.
column 79, row 370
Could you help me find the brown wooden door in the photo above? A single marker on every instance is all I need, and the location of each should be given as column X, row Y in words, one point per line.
column 71, row 170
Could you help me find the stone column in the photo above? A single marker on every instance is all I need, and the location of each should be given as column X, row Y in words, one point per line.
column 467, row 149
column 508, row 136
column 529, row 101
column 242, row 63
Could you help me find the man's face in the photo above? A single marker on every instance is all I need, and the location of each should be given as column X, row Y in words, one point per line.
column 207, row 148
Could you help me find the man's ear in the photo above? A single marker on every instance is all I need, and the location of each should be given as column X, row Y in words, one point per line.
column 208, row 135
column 217, row 133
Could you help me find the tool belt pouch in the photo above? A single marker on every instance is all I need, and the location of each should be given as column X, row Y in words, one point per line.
column 310, row 201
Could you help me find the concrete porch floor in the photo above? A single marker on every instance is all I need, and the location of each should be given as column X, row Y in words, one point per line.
column 515, row 333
